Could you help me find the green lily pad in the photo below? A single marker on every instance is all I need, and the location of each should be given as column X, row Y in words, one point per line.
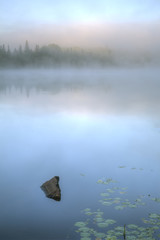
column 85, row 238
column 105, row 194
column 119, row 207
column 102, row 225
column 111, row 238
column 119, row 228
column 156, row 199
column 85, row 234
column 154, row 215
column 110, row 190
column 99, row 181
column 100, row 235
column 106, row 203
column 132, row 205
column 99, row 219
column 80, row 224
column 110, row 221
column 84, row 229
column 132, row 226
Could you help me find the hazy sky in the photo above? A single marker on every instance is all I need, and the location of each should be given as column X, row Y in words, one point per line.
column 76, row 22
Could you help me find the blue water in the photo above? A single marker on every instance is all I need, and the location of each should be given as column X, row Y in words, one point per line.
column 81, row 126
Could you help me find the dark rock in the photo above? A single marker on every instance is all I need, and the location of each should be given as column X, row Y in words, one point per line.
column 51, row 188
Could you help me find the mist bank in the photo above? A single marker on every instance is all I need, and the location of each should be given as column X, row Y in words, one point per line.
column 53, row 55
column 127, row 92
column 81, row 44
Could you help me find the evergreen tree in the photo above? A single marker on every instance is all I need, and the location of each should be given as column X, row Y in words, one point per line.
column 8, row 51
column 26, row 48
column 20, row 50
column 4, row 49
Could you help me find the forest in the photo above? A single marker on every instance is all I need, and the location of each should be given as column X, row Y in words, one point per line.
column 53, row 55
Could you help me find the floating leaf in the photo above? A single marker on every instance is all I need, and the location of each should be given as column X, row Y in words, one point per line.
column 132, row 231
column 132, row 205
column 110, row 221
column 84, row 229
column 87, row 209
column 119, row 228
column 99, row 181
column 99, row 219
column 100, row 235
column 110, row 180
column 89, row 213
column 85, row 234
column 124, row 188
column 80, row 224
column 154, row 215
column 116, row 201
column 102, row 225
column 122, row 192
column 110, row 190
column 132, row 226
column 107, row 181
column 85, row 238
column 111, row 238
column 156, row 199
column 119, row 207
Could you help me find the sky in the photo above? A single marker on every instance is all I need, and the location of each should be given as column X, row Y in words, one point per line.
column 78, row 23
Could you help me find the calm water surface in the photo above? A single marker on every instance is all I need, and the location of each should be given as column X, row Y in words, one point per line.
column 84, row 126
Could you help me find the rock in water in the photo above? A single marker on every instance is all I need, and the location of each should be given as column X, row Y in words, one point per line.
column 51, row 188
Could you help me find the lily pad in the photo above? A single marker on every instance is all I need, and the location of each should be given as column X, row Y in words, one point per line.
column 85, row 234
column 100, row 235
column 156, row 199
column 119, row 207
column 85, row 238
column 99, row 219
column 80, row 224
column 102, row 225
column 110, row 221
column 105, row 194
column 154, row 215
column 132, row 226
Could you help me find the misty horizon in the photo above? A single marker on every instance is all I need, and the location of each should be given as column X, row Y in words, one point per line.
column 54, row 55
column 121, row 26
column 138, row 35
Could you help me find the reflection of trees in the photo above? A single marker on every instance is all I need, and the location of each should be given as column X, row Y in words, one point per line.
column 129, row 91
column 52, row 82
column 53, row 55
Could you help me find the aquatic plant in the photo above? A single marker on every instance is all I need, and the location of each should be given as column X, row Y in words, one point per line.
column 98, row 227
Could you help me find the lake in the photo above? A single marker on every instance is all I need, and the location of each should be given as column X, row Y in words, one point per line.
column 99, row 131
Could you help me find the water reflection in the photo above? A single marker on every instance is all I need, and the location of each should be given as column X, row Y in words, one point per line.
column 80, row 126
column 101, row 91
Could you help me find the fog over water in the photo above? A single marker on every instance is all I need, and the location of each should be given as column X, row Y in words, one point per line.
column 105, row 91
column 80, row 125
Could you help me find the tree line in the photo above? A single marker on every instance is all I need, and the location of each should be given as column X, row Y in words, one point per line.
column 53, row 55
